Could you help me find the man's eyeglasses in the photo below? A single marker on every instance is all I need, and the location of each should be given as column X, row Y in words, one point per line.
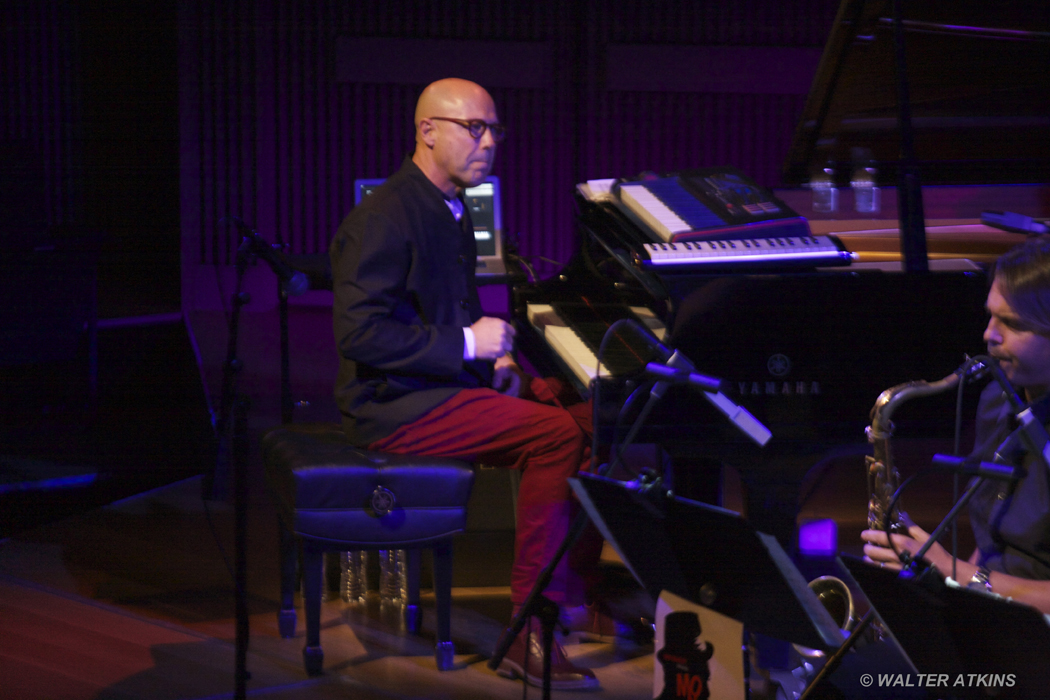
column 477, row 127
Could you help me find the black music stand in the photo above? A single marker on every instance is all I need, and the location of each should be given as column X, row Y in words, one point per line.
column 953, row 631
column 710, row 556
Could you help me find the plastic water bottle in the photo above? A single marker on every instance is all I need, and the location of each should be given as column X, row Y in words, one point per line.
column 825, row 194
column 866, row 196
column 393, row 577
column 353, row 580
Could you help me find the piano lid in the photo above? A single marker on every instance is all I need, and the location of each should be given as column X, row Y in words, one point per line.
column 979, row 83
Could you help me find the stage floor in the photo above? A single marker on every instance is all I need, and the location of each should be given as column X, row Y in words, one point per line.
column 134, row 600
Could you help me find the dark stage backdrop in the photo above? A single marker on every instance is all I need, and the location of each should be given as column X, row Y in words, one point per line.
column 144, row 119
column 39, row 113
column 89, row 140
column 147, row 122
column 284, row 103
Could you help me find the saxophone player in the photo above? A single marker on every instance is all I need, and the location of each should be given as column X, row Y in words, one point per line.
column 1011, row 522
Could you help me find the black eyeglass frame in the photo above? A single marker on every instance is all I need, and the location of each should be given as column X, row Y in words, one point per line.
column 499, row 132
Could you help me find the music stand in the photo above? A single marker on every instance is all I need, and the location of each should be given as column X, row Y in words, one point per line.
column 953, row 631
column 710, row 556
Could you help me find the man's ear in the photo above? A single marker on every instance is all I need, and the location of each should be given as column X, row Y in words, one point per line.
column 427, row 132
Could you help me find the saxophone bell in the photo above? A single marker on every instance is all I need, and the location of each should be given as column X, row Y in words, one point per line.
column 836, row 598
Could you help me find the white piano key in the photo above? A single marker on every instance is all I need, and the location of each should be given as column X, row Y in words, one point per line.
column 564, row 341
column 816, row 248
column 570, row 348
column 655, row 213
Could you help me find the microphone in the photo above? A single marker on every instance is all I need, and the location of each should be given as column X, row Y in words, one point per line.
column 1031, row 435
column 986, row 470
column 673, row 375
column 663, row 353
column 295, row 282
column 741, row 418
column 675, row 364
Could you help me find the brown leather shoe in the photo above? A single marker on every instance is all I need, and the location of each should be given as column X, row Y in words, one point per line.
column 564, row 674
column 595, row 623
column 589, row 623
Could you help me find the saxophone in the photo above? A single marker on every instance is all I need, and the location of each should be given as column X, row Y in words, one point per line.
column 883, row 478
column 883, row 481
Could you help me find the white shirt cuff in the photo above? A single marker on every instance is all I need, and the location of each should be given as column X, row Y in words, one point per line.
column 468, row 344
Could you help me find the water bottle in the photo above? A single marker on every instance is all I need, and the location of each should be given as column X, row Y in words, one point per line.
column 825, row 194
column 866, row 198
column 353, row 581
column 393, row 577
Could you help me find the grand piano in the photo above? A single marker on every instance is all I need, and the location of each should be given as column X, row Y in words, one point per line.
column 807, row 348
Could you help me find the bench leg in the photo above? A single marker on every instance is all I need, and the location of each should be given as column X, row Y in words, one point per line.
column 413, row 612
column 313, row 580
column 443, row 595
column 289, row 554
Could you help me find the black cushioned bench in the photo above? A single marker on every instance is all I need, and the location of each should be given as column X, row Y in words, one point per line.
column 333, row 496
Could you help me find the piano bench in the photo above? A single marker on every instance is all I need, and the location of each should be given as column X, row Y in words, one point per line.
column 333, row 496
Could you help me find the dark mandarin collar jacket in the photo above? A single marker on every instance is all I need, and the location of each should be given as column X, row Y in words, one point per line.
column 403, row 276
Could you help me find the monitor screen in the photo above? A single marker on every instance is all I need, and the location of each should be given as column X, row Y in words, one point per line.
column 483, row 213
column 484, row 203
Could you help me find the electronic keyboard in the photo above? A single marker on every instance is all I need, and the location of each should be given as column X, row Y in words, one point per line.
column 804, row 251
column 705, row 204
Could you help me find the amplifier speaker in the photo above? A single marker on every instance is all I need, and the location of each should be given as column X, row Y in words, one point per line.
column 149, row 424
column 153, row 418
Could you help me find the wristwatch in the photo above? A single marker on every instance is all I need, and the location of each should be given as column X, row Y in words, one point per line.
column 981, row 579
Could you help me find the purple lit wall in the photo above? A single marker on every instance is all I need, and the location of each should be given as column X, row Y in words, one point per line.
column 281, row 104
column 285, row 103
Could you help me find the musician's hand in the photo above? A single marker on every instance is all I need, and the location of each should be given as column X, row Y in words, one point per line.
column 507, row 378
column 493, row 337
column 877, row 549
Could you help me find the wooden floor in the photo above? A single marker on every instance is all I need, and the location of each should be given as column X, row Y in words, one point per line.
column 134, row 601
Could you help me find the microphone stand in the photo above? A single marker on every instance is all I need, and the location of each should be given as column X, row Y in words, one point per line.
column 913, row 569
column 540, row 606
column 234, row 447
column 233, row 433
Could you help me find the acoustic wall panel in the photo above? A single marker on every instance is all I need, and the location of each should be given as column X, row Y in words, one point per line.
column 286, row 103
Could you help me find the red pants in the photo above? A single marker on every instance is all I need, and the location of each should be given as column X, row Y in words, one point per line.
column 536, row 434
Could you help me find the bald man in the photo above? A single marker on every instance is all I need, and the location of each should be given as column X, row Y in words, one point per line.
column 423, row 371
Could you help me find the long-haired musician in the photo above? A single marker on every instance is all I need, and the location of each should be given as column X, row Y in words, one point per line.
column 1011, row 522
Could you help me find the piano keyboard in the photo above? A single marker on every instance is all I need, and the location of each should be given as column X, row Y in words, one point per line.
column 668, row 208
column 575, row 346
column 794, row 251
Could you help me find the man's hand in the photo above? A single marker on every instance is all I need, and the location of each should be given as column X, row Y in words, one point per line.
column 507, row 378
column 877, row 549
column 493, row 338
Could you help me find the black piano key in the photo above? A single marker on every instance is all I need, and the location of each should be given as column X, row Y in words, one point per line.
column 624, row 353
